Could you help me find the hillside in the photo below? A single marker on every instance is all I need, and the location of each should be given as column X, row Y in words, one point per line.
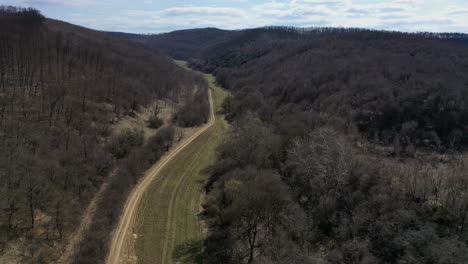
column 379, row 80
column 182, row 44
column 63, row 90
column 201, row 43
column 393, row 87
column 346, row 146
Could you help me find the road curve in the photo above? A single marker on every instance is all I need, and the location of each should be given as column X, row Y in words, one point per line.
column 121, row 233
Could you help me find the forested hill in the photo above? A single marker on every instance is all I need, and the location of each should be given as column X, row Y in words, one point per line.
column 383, row 81
column 197, row 43
column 62, row 89
column 182, row 44
column 346, row 145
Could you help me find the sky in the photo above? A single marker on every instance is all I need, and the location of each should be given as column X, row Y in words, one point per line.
column 157, row 16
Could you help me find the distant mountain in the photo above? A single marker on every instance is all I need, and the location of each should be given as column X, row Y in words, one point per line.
column 182, row 44
column 197, row 43
column 416, row 77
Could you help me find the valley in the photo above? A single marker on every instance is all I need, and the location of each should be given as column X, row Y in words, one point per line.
column 161, row 215
column 263, row 145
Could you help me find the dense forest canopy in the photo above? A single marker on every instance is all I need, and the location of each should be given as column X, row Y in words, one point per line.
column 346, row 146
column 380, row 82
column 378, row 79
column 198, row 43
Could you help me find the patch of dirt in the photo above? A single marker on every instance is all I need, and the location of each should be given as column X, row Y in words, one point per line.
column 12, row 253
column 139, row 120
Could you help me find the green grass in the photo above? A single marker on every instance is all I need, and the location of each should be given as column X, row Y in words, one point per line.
column 169, row 230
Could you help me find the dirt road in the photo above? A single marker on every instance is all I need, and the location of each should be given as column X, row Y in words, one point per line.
column 123, row 232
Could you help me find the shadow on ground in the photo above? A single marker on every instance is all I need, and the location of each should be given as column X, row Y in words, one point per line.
column 188, row 252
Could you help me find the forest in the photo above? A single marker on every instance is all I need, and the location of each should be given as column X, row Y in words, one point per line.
column 376, row 79
column 346, row 145
column 63, row 88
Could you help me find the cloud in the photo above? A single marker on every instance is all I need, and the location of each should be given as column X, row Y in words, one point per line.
column 406, row 15
column 393, row 17
column 379, row 8
column 452, row 10
column 390, row 9
column 202, row 11
column 321, row 2
column 418, row 24
column 178, row 18
column 282, row 11
column 360, row 11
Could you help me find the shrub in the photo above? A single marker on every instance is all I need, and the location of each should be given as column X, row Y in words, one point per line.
column 125, row 142
column 155, row 122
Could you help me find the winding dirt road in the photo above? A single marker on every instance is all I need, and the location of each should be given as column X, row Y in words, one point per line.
column 123, row 230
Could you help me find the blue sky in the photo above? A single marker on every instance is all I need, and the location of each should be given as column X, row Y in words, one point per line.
column 155, row 16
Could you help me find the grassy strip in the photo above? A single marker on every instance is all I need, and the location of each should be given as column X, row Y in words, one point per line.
column 170, row 231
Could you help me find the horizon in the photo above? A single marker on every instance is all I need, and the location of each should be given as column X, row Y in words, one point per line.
column 154, row 17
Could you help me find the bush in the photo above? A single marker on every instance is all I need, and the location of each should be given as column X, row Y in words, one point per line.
column 155, row 122
column 196, row 109
column 125, row 142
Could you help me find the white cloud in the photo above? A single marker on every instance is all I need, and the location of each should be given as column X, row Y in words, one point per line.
column 406, row 15
column 202, row 11
column 372, row 9
column 453, row 10
column 322, row 2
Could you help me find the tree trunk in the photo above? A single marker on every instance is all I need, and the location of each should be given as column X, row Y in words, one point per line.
column 58, row 220
column 31, row 206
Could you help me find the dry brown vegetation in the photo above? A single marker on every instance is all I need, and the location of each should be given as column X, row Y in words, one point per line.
column 347, row 146
column 61, row 89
